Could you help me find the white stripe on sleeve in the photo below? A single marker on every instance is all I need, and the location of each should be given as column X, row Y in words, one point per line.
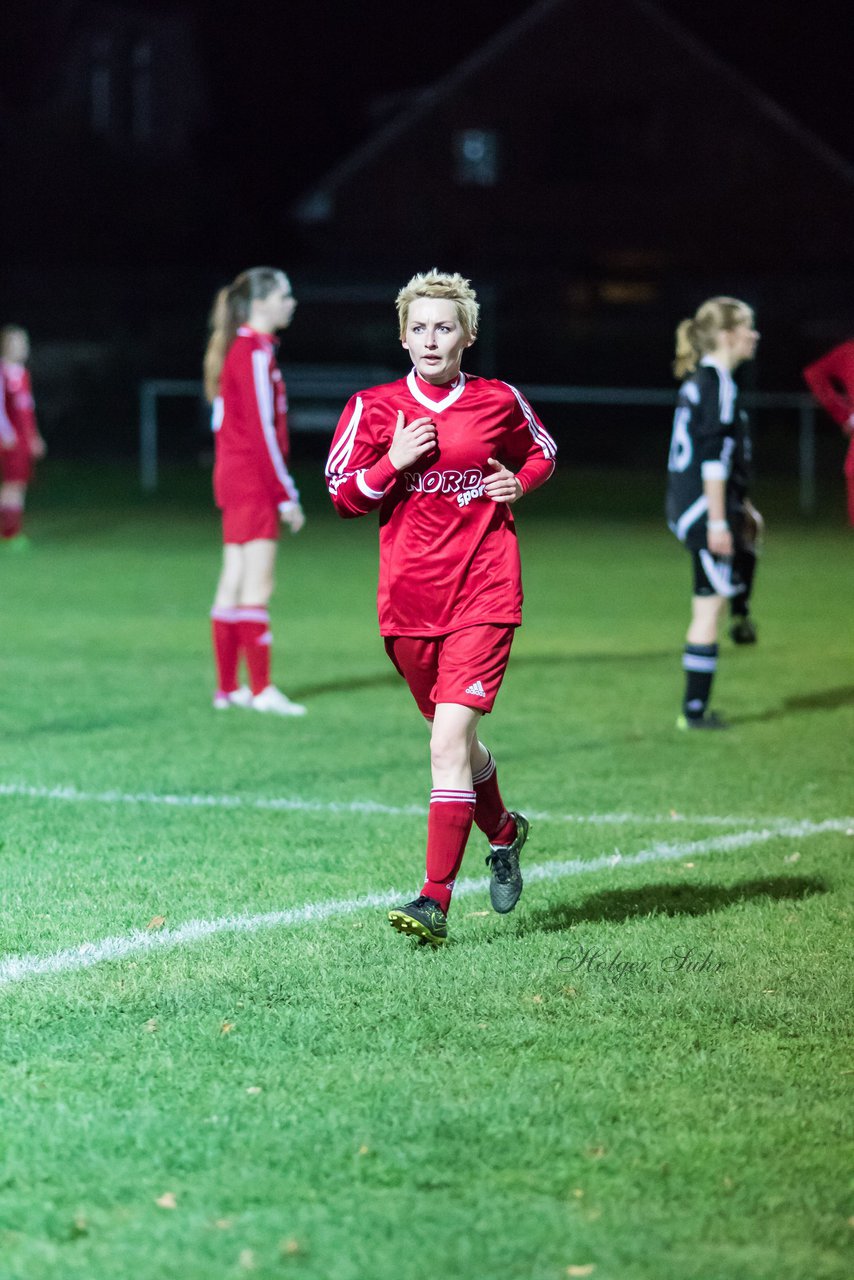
column 339, row 457
column 366, row 488
column 7, row 431
column 264, row 397
column 541, row 436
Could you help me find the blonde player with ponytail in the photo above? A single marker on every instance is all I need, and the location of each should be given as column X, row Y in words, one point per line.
column 252, row 484
column 707, row 504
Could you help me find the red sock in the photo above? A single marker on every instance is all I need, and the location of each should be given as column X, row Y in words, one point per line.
column 11, row 519
column 225, row 630
column 490, row 813
column 256, row 640
column 448, row 827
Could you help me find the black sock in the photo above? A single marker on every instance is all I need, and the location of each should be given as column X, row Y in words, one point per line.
column 699, row 662
column 744, row 567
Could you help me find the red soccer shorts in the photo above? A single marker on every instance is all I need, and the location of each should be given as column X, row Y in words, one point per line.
column 465, row 666
column 16, row 464
column 246, row 521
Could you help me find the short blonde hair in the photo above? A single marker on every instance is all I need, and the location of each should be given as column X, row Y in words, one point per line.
column 697, row 337
column 440, row 284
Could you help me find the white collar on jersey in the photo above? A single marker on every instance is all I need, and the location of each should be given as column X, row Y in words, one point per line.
column 436, row 405
column 246, row 331
column 716, row 364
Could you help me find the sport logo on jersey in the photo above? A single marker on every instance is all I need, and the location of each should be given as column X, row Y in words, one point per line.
column 467, row 485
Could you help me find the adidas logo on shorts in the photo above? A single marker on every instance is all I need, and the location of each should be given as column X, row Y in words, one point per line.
column 477, row 689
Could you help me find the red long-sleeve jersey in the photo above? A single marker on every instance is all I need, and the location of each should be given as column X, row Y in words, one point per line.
column 448, row 554
column 831, row 380
column 250, row 422
column 17, row 409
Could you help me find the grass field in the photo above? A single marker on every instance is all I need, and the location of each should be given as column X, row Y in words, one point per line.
column 217, row 1058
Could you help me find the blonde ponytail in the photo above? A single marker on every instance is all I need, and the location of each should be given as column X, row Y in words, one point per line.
column 229, row 311
column 687, row 354
column 696, row 338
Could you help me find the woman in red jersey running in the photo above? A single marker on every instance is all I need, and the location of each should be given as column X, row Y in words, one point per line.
column 444, row 456
column 21, row 443
column 252, row 484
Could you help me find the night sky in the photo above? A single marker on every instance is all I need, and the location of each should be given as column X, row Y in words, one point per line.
column 288, row 90
column 317, row 71
column 322, row 74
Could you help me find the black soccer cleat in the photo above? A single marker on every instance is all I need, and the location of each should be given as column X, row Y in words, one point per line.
column 742, row 630
column 505, row 886
column 423, row 919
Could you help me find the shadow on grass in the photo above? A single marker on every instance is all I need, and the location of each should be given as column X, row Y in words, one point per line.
column 382, row 679
column 379, row 680
column 616, row 905
column 821, row 700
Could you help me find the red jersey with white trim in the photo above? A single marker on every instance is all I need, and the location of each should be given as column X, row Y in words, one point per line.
column 448, row 554
column 17, row 410
column 831, row 380
column 250, row 422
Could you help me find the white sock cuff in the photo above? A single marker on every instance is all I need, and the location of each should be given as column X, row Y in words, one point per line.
column 443, row 795
column 256, row 613
column 484, row 774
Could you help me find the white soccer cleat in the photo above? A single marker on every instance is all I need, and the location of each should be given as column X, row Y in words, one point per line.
column 241, row 697
column 273, row 700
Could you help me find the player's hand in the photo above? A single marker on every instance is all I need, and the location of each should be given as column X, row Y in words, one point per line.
column 38, row 448
column 292, row 515
column 411, row 441
column 502, row 485
column 719, row 542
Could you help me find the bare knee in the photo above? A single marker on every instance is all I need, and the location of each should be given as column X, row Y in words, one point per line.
column 256, row 584
column 256, row 588
column 705, row 616
column 230, row 579
column 12, row 493
column 448, row 751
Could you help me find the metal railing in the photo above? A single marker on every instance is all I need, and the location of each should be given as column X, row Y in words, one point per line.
column 335, row 384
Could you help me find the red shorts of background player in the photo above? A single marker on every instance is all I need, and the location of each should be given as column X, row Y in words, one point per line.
column 16, row 465
column 247, row 521
column 465, row 666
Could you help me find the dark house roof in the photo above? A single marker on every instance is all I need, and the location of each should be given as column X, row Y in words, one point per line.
column 590, row 130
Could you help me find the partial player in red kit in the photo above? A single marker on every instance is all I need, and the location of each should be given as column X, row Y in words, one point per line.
column 252, row 483
column 21, row 443
column 831, row 380
column 443, row 457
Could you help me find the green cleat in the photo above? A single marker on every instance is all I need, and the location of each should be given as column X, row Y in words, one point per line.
column 505, row 887
column 711, row 720
column 423, row 919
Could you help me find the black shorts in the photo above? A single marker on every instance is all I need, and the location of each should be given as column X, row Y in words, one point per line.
column 718, row 575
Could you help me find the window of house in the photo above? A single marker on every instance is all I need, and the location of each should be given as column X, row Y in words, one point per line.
column 476, row 157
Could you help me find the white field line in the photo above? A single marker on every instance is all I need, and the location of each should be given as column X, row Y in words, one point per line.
column 71, row 794
column 16, row 968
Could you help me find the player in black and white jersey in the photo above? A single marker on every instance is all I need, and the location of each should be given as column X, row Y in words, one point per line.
column 707, row 504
